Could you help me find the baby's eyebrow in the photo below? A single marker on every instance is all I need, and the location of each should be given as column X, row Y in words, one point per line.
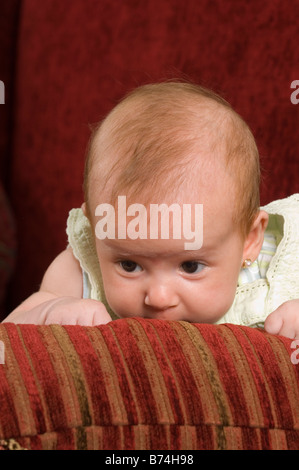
column 153, row 254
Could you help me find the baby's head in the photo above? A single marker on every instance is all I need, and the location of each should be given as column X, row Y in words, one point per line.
column 175, row 143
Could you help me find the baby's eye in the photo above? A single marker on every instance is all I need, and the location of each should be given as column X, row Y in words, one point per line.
column 192, row 267
column 130, row 266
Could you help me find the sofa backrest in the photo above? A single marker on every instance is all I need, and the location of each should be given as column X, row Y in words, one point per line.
column 75, row 60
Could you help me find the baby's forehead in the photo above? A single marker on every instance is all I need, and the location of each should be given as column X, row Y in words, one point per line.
column 171, row 230
column 147, row 248
column 190, row 185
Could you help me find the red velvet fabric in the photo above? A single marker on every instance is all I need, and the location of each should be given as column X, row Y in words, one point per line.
column 9, row 14
column 7, row 248
column 76, row 59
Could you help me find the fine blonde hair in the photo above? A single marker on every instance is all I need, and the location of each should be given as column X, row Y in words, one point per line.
column 146, row 138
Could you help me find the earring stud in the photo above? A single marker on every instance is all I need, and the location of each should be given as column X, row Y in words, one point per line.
column 246, row 263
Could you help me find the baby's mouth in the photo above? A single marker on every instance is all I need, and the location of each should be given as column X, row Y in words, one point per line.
column 166, row 314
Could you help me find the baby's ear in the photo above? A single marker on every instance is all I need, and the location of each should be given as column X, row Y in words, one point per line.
column 255, row 237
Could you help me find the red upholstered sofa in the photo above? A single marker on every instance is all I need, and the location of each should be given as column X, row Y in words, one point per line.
column 134, row 384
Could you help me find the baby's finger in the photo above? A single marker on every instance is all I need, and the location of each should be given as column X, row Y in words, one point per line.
column 287, row 329
column 284, row 320
column 93, row 313
column 101, row 317
column 274, row 322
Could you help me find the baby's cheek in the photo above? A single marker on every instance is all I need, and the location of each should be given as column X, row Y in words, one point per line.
column 223, row 301
column 123, row 302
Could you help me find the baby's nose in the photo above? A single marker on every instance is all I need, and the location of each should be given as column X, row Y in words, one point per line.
column 161, row 296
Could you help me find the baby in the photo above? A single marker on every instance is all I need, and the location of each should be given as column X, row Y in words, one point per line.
column 181, row 146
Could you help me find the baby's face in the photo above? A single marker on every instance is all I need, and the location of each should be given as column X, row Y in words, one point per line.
column 160, row 279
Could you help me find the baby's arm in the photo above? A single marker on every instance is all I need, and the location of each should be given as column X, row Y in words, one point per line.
column 59, row 299
column 284, row 320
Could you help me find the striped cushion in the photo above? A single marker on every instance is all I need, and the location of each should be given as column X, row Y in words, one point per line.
column 147, row 384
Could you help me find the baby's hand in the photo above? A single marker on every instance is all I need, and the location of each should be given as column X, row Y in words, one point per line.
column 284, row 320
column 63, row 311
